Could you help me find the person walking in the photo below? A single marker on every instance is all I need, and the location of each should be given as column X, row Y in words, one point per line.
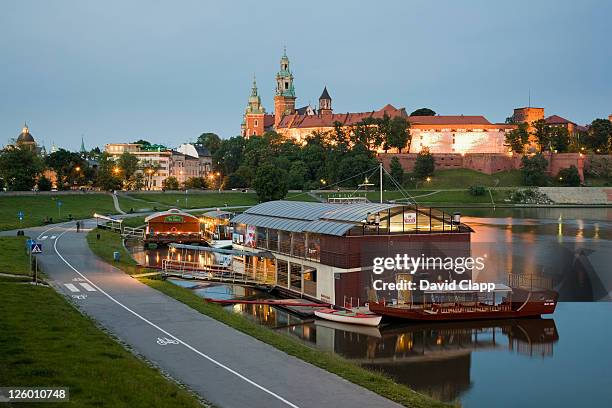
column 78, row 226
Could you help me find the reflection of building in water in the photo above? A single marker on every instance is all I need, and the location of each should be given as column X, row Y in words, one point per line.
column 435, row 358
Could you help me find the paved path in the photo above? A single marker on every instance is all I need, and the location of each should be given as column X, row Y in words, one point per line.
column 224, row 366
column 116, row 203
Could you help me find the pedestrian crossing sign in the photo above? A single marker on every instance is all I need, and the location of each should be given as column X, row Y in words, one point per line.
column 36, row 248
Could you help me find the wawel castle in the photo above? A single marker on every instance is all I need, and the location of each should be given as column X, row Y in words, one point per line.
column 458, row 134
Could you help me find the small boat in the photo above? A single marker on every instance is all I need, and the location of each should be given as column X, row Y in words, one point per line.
column 348, row 316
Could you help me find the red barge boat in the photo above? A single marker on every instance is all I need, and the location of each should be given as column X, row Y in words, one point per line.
column 472, row 305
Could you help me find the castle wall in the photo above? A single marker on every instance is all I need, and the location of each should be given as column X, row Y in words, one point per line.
column 489, row 163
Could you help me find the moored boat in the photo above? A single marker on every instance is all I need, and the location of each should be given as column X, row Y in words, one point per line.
column 350, row 317
column 445, row 306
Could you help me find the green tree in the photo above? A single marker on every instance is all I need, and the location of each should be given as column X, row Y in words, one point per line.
column 367, row 133
column 396, row 170
column 44, row 184
column 149, row 169
column 423, row 112
column 569, row 176
column 235, row 180
column 196, row 183
column 517, row 138
column 533, row 169
column 543, row 133
column 270, row 182
column 170, row 183
column 559, row 139
column 70, row 168
column 108, row 174
column 394, row 132
column 211, row 141
column 297, row 175
column 424, row 164
column 229, row 156
column 128, row 163
column 143, row 142
column 19, row 168
column 599, row 136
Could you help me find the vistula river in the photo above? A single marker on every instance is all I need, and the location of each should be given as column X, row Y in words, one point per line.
column 563, row 360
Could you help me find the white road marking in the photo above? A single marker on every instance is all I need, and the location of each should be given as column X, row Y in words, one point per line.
column 87, row 286
column 52, row 237
column 80, row 297
column 212, row 360
column 43, row 238
column 71, row 287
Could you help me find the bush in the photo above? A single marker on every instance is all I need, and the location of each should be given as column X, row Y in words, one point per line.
column 44, row 184
column 397, row 172
column 424, row 165
column 569, row 176
column 477, row 190
column 534, row 170
column 170, row 183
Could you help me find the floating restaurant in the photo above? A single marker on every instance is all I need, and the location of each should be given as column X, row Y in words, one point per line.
column 172, row 226
column 321, row 250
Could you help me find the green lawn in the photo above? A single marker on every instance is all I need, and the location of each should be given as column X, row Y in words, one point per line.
column 197, row 200
column 14, row 259
column 47, row 342
column 108, row 243
column 346, row 369
column 127, row 203
column 36, row 208
column 464, row 178
column 134, row 221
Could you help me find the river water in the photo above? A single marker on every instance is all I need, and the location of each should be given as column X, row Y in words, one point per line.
column 564, row 360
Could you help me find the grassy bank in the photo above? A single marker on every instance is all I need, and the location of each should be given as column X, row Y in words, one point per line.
column 373, row 381
column 376, row 382
column 35, row 208
column 13, row 258
column 46, row 342
column 108, row 243
column 196, row 200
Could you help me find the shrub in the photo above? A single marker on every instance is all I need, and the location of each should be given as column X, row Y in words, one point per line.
column 569, row 176
column 477, row 190
column 534, row 170
column 424, row 165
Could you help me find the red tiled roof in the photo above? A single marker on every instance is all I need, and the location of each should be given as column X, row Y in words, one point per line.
column 448, row 120
column 346, row 119
column 557, row 120
column 268, row 120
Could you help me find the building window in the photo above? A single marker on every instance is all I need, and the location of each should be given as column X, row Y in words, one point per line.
column 286, row 85
column 295, row 277
column 256, row 122
column 282, row 272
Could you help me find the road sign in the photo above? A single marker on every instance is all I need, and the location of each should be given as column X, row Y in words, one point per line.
column 59, row 203
column 36, row 248
column 20, row 215
column 29, row 243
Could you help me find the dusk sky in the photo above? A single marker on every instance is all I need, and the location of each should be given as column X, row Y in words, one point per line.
column 118, row 71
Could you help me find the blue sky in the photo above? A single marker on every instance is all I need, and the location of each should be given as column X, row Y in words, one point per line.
column 168, row 71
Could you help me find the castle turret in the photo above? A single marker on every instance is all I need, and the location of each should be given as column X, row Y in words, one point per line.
column 253, row 124
column 284, row 100
column 325, row 103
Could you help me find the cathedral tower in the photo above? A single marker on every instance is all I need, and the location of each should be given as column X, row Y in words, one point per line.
column 284, row 100
column 253, row 124
column 325, row 103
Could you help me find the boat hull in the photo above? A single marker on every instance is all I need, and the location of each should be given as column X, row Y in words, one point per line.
column 362, row 319
column 526, row 304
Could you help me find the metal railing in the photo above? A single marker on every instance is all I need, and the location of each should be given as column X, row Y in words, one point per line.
column 195, row 270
